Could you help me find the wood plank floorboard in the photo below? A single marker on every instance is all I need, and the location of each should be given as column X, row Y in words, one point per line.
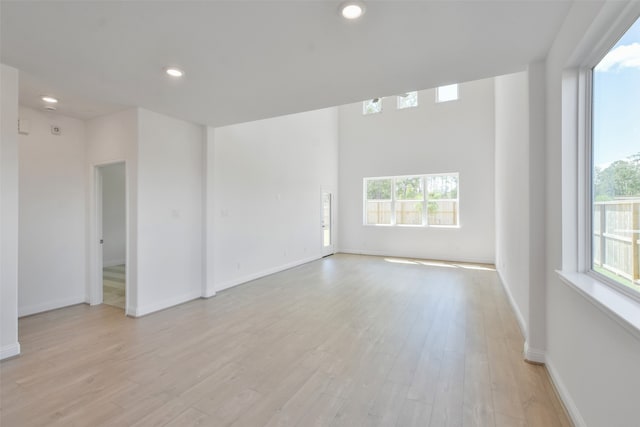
column 344, row 341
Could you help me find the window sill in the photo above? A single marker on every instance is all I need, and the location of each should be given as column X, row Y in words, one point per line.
column 619, row 307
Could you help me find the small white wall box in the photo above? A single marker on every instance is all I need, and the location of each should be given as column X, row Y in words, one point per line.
column 23, row 127
column 55, row 130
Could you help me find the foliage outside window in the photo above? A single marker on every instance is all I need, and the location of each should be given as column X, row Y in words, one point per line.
column 443, row 199
column 615, row 154
column 409, row 200
column 408, row 100
column 378, row 201
column 422, row 200
column 372, row 106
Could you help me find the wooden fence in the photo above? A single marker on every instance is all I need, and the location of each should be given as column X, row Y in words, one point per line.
column 616, row 238
column 439, row 212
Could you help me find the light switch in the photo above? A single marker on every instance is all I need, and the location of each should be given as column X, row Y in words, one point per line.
column 23, row 127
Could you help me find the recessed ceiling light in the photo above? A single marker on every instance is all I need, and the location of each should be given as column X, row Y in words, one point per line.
column 49, row 99
column 352, row 9
column 174, row 72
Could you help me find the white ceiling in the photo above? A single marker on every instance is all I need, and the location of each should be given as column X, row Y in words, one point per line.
column 246, row 60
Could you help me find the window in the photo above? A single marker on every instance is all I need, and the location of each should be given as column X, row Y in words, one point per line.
column 412, row 200
column 378, row 201
column 407, row 100
column 409, row 200
column 447, row 93
column 615, row 163
column 372, row 106
column 443, row 199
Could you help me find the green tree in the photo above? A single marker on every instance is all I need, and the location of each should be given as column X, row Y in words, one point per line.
column 620, row 179
column 409, row 188
column 379, row 189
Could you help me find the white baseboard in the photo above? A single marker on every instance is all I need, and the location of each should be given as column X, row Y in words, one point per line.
column 114, row 262
column 50, row 305
column 253, row 276
column 521, row 322
column 534, row 355
column 10, row 350
column 568, row 402
column 208, row 293
column 161, row 305
column 470, row 260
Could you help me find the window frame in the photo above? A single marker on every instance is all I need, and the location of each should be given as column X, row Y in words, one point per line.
column 457, row 199
column 394, row 199
column 364, row 208
column 618, row 304
column 364, row 110
column 585, row 157
column 424, row 201
column 400, row 97
column 457, row 98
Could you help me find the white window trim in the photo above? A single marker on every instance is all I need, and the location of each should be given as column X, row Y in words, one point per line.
column 615, row 300
column 424, row 201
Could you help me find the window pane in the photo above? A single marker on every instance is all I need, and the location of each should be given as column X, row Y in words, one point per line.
column 409, row 213
column 372, row 106
column 378, row 213
column 421, row 200
column 379, row 189
column 442, row 186
column 410, row 188
column 408, row 100
column 447, row 93
column 442, row 197
column 442, row 212
column 616, row 162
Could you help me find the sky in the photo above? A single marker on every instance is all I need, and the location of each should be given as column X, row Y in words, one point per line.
column 616, row 101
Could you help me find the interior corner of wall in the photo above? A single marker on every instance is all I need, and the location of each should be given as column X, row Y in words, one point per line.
column 514, row 306
column 533, row 355
column 208, row 293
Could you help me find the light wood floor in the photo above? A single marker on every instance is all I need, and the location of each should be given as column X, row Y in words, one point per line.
column 113, row 286
column 344, row 341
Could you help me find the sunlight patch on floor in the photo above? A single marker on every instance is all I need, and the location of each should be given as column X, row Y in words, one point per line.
column 445, row 264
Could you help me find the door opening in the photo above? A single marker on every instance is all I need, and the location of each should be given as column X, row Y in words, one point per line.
column 327, row 223
column 112, row 233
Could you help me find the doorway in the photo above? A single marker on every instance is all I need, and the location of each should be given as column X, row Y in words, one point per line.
column 112, row 232
column 327, row 223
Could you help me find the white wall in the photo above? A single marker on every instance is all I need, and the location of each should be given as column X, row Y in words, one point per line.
column 520, row 201
column 171, row 156
column 593, row 359
column 9, row 345
column 52, row 239
column 209, row 283
column 454, row 136
column 112, row 138
column 512, row 189
column 114, row 210
column 536, row 339
column 267, row 180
